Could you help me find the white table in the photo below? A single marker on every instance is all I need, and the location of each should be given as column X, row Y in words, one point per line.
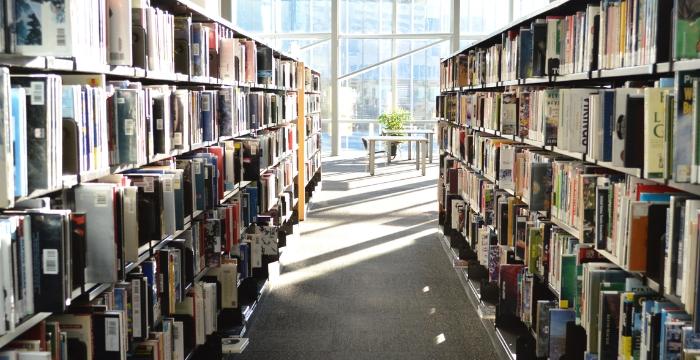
column 421, row 149
column 411, row 132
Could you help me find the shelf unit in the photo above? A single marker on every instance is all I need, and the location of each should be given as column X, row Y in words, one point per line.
column 64, row 66
column 594, row 78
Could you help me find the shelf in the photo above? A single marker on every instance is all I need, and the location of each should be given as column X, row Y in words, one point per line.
column 610, row 257
column 278, row 161
column 564, row 226
column 38, row 194
column 609, row 165
column 571, row 154
column 503, row 341
column 22, row 328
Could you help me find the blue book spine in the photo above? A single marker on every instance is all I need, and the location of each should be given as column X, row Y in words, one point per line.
column 196, row 50
column 253, row 203
column 19, row 143
column 207, row 118
column 245, row 260
column 656, row 197
column 608, row 123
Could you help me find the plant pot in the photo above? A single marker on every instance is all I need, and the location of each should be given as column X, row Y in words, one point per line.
column 393, row 148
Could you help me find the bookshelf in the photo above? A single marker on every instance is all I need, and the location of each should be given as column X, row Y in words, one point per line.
column 222, row 140
column 552, row 178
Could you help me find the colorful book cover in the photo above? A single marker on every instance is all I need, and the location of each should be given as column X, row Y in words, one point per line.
column 558, row 318
column 542, row 327
column 683, row 126
column 687, row 29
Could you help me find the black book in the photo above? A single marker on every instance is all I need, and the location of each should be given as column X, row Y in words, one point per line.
column 265, row 68
column 656, row 242
column 39, row 128
column 107, row 336
column 628, row 129
column 251, row 160
column 150, row 207
column 165, row 258
column 609, row 324
column 187, row 186
column 255, row 112
column 49, row 258
column 539, row 48
column 182, row 41
column 160, row 116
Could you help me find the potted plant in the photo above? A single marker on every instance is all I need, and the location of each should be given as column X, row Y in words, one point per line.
column 393, row 124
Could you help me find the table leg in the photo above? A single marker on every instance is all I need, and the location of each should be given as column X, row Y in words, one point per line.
column 425, row 152
column 430, row 148
column 371, row 157
column 409, row 150
column 387, row 148
column 417, row 154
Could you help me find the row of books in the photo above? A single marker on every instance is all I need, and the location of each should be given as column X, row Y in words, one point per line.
column 144, row 206
column 657, row 122
column 48, row 254
column 59, row 127
column 552, row 281
column 589, row 36
column 135, row 33
column 312, row 80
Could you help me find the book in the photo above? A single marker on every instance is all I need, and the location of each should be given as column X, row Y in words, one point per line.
column 7, row 158
column 558, row 319
column 655, row 123
column 119, row 32
column 686, row 31
column 19, row 141
column 683, row 127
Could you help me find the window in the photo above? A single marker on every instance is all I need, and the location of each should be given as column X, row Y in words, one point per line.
column 416, row 42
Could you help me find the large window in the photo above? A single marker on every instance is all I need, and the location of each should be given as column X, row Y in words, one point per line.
column 389, row 51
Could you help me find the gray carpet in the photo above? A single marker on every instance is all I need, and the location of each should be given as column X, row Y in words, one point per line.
column 368, row 279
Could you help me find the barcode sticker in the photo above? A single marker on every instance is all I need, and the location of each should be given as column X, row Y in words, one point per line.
column 129, row 127
column 167, row 185
column 36, row 92
column 39, row 133
column 159, row 124
column 50, row 261
column 177, row 184
column 254, row 149
column 61, row 37
column 111, row 334
column 206, row 173
column 136, row 307
column 177, row 139
column 121, row 100
column 101, row 199
column 148, row 185
column 197, row 168
column 206, row 102
column 195, row 48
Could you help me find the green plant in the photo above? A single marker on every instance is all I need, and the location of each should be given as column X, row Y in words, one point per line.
column 394, row 120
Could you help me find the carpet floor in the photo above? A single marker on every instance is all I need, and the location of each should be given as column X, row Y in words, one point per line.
column 368, row 278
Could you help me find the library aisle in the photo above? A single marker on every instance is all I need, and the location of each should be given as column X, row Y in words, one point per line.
column 368, row 279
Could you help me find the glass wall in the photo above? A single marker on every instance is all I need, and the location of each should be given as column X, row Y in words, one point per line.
column 389, row 50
